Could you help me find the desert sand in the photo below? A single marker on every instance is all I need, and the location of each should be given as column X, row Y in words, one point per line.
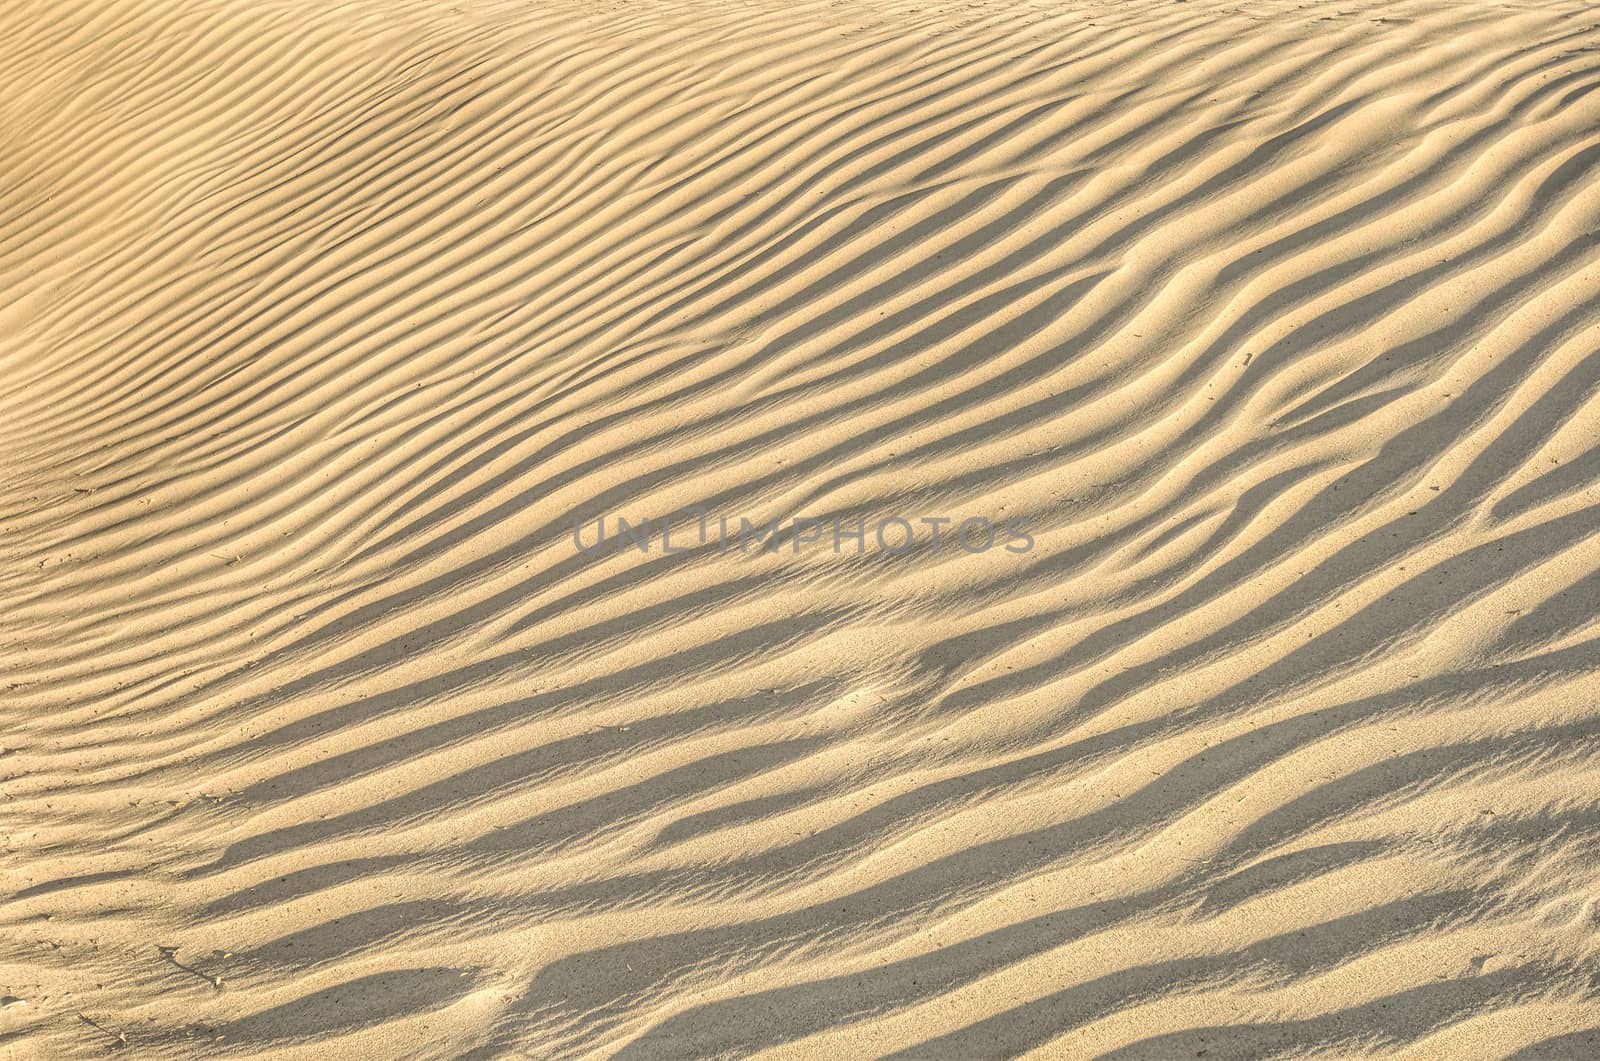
column 1263, row 337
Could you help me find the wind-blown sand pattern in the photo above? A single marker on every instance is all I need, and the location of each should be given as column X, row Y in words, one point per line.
column 1277, row 325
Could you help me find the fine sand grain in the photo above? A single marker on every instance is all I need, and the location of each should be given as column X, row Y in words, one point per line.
column 1271, row 328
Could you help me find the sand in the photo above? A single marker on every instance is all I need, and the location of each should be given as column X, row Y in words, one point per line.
column 1262, row 337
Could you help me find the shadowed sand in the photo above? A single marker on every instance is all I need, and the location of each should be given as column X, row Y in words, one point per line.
column 1276, row 326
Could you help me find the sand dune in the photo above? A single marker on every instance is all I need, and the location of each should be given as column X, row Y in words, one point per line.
column 1271, row 330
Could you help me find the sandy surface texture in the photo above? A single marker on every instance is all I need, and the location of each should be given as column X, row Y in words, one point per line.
column 1112, row 547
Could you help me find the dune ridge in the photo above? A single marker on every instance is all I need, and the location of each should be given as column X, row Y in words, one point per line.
column 1276, row 324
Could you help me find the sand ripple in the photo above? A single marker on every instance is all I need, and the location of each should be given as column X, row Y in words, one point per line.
column 1277, row 325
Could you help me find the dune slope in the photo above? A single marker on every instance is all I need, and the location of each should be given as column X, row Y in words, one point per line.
column 1272, row 328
